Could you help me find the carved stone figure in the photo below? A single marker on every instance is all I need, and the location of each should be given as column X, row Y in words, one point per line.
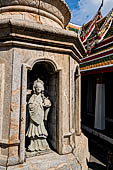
column 39, row 106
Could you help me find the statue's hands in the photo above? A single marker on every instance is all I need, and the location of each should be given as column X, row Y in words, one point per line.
column 47, row 102
column 33, row 106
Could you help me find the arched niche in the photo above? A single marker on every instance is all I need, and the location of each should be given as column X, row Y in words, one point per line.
column 47, row 72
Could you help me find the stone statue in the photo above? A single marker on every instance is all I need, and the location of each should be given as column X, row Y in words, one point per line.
column 39, row 106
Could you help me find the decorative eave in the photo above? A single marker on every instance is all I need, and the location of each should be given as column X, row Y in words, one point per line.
column 32, row 35
column 99, row 32
column 98, row 70
column 106, row 25
column 87, row 29
column 102, row 59
column 105, row 48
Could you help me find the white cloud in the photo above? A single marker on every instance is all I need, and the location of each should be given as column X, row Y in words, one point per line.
column 87, row 10
column 108, row 5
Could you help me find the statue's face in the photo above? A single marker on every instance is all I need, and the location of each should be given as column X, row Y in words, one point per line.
column 39, row 88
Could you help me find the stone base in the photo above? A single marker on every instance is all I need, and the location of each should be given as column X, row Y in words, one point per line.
column 34, row 154
column 81, row 151
column 50, row 161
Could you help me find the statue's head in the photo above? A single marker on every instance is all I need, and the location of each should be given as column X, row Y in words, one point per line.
column 38, row 86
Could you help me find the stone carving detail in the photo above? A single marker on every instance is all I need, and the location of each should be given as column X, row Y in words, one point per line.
column 57, row 8
column 39, row 106
column 19, row 2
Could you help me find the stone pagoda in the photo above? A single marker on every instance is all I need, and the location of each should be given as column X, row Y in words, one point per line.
column 34, row 44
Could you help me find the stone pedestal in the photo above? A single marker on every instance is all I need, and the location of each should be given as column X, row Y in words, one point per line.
column 50, row 161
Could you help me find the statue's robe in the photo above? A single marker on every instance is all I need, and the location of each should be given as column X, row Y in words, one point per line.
column 37, row 131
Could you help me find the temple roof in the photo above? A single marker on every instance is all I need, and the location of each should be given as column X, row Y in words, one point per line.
column 97, row 37
column 99, row 46
column 96, row 30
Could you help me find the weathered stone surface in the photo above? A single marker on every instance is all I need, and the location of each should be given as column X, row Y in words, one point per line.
column 44, row 11
column 51, row 161
column 2, row 76
column 81, row 151
column 61, row 118
column 2, row 168
column 32, row 44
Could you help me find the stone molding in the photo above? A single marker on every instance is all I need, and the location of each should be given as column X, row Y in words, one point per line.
column 6, row 142
column 2, row 80
column 64, row 41
column 51, row 9
column 39, row 27
column 14, row 10
column 33, row 61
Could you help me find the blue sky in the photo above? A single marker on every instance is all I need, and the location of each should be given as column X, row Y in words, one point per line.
column 72, row 4
column 83, row 10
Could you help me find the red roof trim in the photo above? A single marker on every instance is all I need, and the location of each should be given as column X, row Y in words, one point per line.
column 97, row 71
column 89, row 32
column 97, row 56
column 106, row 41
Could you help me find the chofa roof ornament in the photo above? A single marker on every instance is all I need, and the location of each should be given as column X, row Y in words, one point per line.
column 101, row 5
column 87, row 28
